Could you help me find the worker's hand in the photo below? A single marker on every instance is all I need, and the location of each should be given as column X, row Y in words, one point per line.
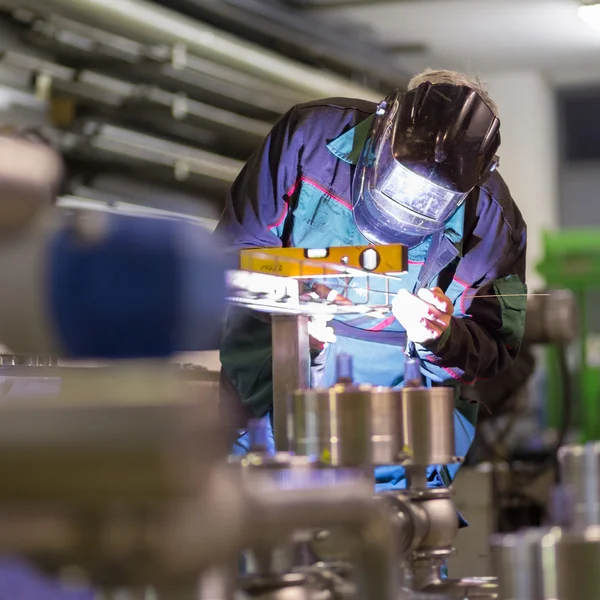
column 425, row 316
column 319, row 333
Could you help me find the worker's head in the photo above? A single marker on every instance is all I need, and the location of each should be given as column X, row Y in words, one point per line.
column 428, row 148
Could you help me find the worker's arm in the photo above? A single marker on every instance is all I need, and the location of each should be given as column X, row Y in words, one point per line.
column 257, row 203
column 485, row 333
column 255, row 216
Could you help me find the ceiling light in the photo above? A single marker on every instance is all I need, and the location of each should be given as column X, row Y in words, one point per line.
column 590, row 14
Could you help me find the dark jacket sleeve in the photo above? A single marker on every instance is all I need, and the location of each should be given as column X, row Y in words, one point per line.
column 257, row 202
column 254, row 217
column 485, row 335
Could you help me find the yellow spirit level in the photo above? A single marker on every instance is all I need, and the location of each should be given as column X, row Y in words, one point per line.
column 315, row 262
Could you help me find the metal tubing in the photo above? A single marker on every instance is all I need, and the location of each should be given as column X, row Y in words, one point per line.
column 343, row 4
column 272, row 25
column 151, row 24
column 291, row 369
column 345, row 505
column 580, row 473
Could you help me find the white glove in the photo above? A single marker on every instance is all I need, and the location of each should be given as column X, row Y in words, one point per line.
column 425, row 316
column 319, row 333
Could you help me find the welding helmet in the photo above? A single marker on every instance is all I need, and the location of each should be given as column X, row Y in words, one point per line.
column 427, row 149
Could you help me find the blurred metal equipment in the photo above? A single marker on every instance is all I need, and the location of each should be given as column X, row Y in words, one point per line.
column 175, row 162
column 571, row 261
column 170, row 113
column 151, row 24
column 359, row 427
column 291, row 368
column 579, row 468
column 520, row 560
column 175, row 69
column 25, row 191
column 558, row 562
column 138, row 91
column 507, row 484
column 356, row 426
column 64, row 272
column 154, row 503
column 273, row 24
column 551, row 319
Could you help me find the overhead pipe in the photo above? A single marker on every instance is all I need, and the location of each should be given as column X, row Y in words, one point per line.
column 270, row 23
column 329, row 4
column 148, row 23
column 146, row 104
column 134, row 147
column 63, row 37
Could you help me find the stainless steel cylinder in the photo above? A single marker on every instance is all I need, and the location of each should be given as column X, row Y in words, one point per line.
column 577, row 565
column 386, row 429
column 346, row 426
column 525, row 563
column 427, row 426
column 333, row 425
column 580, row 475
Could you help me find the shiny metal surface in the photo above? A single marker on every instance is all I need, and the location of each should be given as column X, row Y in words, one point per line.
column 353, row 426
column 580, row 476
column 131, row 529
column 577, row 564
column 126, row 433
column 425, row 522
column 439, row 514
column 289, row 586
column 461, row 589
column 387, row 442
column 427, row 422
column 425, row 581
column 291, row 369
column 346, row 505
column 276, row 25
column 526, row 563
column 551, row 319
column 173, row 161
column 333, row 425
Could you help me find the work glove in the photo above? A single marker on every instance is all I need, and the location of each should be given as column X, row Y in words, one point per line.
column 320, row 335
column 425, row 316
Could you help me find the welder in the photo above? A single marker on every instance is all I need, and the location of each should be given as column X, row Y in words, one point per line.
column 418, row 169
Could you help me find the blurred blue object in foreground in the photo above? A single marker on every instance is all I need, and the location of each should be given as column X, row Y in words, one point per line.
column 146, row 287
column 19, row 581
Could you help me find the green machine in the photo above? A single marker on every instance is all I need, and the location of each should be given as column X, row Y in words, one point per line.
column 572, row 261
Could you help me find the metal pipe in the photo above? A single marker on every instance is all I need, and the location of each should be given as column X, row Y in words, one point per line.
column 147, row 23
column 275, row 25
column 291, row 369
column 344, row 505
column 174, row 66
column 329, row 4
column 183, row 163
column 142, row 102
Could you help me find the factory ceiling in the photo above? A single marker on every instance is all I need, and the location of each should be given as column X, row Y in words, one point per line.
column 476, row 36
